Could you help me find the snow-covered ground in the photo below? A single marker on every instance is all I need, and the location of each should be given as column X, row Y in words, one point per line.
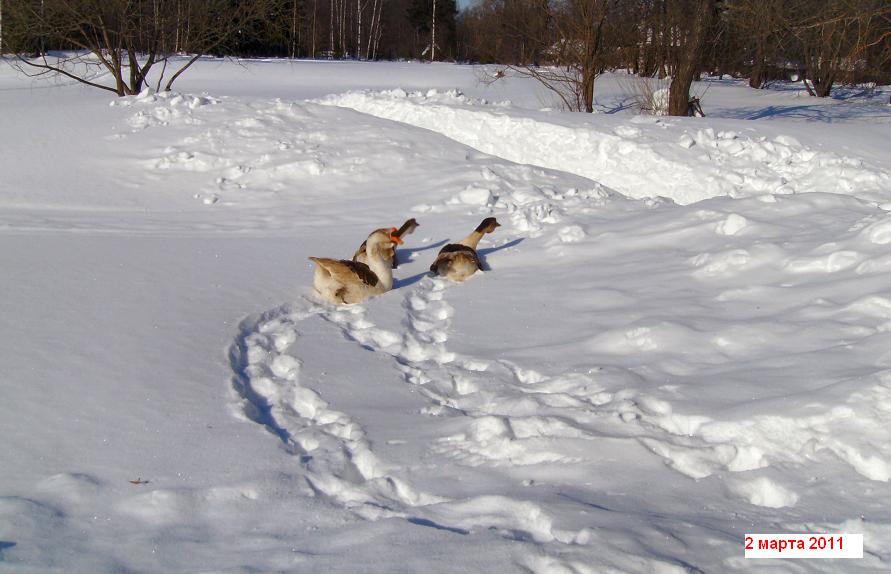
column 684, row 334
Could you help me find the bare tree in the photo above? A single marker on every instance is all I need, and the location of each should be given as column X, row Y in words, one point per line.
column 834, row 37
column 823, row 33
column 123, row 39
column 575, row 53
column 760, row 26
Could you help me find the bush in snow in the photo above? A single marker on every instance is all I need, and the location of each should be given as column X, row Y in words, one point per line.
column 647, row 95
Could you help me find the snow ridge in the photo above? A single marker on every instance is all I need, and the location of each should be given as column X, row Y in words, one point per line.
column 632, row 157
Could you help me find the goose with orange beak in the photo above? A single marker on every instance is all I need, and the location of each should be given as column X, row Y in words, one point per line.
column 458, row 261
column 388, row 254
column 341, row 281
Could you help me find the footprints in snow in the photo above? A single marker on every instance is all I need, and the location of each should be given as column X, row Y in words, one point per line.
column 338, row 461
column 507, row 415
column 336, row 454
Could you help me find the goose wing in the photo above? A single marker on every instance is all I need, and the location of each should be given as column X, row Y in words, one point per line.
column 362, row 252
column 347, row 271
column 451, row 250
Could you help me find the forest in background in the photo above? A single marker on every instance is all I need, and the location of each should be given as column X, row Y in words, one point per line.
column 563, row 43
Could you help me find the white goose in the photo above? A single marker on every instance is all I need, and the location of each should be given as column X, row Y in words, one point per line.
column 346, row 282
column 458, row 261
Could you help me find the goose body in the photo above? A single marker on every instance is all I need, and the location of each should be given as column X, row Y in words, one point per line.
column 458, row 261
column 388, row 254
column 342, row 281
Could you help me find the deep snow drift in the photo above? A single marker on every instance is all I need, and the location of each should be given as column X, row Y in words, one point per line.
column 683, row 335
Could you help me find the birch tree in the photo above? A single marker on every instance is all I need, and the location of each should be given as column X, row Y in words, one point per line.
column 358, row 29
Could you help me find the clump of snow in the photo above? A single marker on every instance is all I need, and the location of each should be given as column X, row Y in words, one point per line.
column 660, row 102
column 732, row 225
column 762, row 491
column 571, row 234
column 475, row 196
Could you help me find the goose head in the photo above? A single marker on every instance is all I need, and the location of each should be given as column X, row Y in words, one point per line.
column 383, row 239
column 488, row 225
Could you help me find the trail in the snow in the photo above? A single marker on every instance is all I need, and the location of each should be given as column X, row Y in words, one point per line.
column 333, row 448
column 503, row 427
column 509, row 416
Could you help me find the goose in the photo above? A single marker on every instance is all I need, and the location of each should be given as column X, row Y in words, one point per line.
column 389, row 254
column 458, row 261
column 346, row 282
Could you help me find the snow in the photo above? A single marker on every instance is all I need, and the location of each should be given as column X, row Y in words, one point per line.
column 632, row 160
column 681, row 335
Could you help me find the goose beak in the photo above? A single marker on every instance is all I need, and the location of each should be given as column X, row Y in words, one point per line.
column 395, row 238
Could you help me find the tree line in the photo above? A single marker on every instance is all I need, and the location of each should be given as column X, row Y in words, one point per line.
column 565, row 44
column 823, row 43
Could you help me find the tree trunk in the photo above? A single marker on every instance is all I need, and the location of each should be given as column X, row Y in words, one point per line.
column 42, row 39
column 377, row 37
column 342, row 28
column 433, row 39
column 590, row 67
column 375, row 22
column 689, row 59
column 293, row 50
column 823, row 86
column 315, row 5
column 756, row 78
column 588, row 90
column 179, row 26
column 664, row 40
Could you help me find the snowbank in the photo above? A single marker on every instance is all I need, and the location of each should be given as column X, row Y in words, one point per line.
column 641, row 157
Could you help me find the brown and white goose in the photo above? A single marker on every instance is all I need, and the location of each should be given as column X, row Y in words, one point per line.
column 407, row 228
column 458, row 261
column 344, row 281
